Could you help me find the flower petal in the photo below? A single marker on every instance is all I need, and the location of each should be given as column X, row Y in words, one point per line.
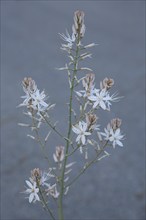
column 29, row 184
column 31, row 197
column 83, row 139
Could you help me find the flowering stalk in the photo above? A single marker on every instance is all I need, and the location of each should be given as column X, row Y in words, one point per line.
column 52, row 183
column 60, row 205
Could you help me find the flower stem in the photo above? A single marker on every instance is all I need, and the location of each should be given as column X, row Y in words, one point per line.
column 45, row 203
column 60, row 200
column 87, row 165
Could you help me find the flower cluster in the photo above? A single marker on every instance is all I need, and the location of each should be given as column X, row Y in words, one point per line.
column 79, row 26
column 113, row 133
column 97, row 97
column 38, row 184
column 34, row 100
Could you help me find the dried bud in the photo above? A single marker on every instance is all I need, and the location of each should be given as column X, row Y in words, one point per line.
column 116, row 123
column 59, row 154
column 106, row 83
column 78, row 26
column 36, row 174
column 29, row 85
column 88, row 83
column 91, row 121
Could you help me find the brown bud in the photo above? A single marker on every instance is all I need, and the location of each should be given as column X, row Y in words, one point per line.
column 29, row 84
column 78, row 26
column 36, row 174
column 88, row 82
column 116, row 123
column 106, row 83
column 91, row 121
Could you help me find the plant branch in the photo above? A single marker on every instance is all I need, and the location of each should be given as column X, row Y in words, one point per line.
column 87, row 165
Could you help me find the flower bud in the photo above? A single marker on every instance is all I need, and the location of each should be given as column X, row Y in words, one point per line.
column 78, row 27
column 106, row 83
column 36, row 174
column 116, row 123
column 29, row 85
column 88, row 82
column 91, row 121
column 59, row 154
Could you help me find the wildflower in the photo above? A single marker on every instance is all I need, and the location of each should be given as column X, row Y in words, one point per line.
column 116, row 137
column 59, row 154
column 99, row 99
column 107, row 132
column 113, row 133
column 33, row 191
column 38, row 101
column 52, row 190
column 102, row 99
column 68, row 39
column 33, row 99
column 81, row 130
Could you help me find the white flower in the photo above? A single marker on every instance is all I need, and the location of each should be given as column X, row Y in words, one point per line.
column 115, row 137
column 107, row 133
column 81, row 130
column 68, row 39
column 33, row 191
column 38, row 101
column 99, row 99
column 33, row 98
column 103, row 99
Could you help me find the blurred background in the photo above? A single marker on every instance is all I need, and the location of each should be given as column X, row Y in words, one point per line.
column 30, row 46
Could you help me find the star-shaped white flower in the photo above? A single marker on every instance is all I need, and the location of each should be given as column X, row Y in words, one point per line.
column 99, row 99
column 33, row 191
column 103, row 99
column 81, row 130
column 116, row 137
column 38, row 101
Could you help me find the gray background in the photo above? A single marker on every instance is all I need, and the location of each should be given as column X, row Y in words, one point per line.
column 114, row 188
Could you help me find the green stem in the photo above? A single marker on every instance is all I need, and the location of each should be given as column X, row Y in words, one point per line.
column 60, row 200
column 45, row 203
column 42, row 145
column 88, row 165
column 52, row 126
